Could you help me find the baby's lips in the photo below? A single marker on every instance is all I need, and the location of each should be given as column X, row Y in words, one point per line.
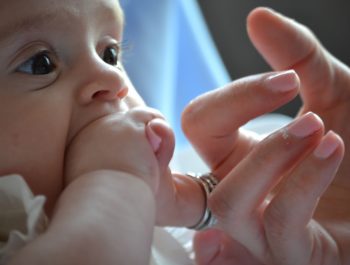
column 153, row 138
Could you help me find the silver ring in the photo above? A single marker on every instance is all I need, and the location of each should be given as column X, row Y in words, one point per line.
column 208, row 183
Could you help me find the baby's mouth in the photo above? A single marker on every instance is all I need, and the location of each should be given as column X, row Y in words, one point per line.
column 79, row 123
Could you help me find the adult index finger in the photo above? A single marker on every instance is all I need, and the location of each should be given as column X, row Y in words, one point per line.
column 211, row 121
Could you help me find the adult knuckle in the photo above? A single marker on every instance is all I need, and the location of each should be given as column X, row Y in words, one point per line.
column 221, row 207
column 276, row 220
column 299, row 187
column 263, row 155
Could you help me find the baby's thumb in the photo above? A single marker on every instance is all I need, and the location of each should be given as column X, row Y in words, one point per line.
column 154, row 139
column 162, row 141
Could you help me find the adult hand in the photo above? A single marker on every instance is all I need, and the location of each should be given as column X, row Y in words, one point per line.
column 277, row 228
column 212, row 121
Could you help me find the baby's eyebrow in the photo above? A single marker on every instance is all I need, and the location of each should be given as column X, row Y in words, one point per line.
column 27, row 24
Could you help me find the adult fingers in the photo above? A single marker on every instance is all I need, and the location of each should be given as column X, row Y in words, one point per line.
column 286, row 44
column 211, row 121
column 237, row 200
column 287, row 217
column 214, row 247
column 180, row 201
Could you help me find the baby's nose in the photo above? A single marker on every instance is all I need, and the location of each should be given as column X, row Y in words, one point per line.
column 105, row 83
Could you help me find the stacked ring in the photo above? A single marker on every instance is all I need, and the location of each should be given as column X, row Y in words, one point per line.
column 207, row 182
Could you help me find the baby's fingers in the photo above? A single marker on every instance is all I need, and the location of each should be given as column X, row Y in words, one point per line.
column 289, row 231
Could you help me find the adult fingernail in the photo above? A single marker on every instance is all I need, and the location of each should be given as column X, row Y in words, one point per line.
column 327, row 146
column 305, row 125
column 283, row 81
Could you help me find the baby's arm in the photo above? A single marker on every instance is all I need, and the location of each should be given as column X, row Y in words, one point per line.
column 103, row 217
column 106, row 214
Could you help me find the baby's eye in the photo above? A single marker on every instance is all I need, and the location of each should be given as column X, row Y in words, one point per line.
column 110, row 55
column 39, row 64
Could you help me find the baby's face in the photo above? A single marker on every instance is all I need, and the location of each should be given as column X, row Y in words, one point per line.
column 59, row 71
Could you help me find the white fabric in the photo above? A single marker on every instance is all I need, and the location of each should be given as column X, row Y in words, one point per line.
column 21, row 216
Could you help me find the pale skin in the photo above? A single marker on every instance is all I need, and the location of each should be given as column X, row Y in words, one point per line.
column 306, row 219
column 77, row 130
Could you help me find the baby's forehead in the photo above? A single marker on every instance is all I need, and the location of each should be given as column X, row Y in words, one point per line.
column 16, row 9
column 22, row 15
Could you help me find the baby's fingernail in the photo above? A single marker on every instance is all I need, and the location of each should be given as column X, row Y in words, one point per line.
column 153, row 138
column 283, row 81
column 328, row 145
column 305, row 125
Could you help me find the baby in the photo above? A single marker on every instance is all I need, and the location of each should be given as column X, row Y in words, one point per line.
column 74, row 128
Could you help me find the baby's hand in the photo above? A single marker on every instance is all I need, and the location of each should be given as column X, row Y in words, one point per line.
column 135, row 142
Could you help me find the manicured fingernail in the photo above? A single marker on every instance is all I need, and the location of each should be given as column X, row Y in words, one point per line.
column 328, row 145
column 305, row 125
column 283, row 81
column 153, row 138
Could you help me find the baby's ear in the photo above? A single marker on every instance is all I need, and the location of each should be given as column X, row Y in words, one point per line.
column 162, row 140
